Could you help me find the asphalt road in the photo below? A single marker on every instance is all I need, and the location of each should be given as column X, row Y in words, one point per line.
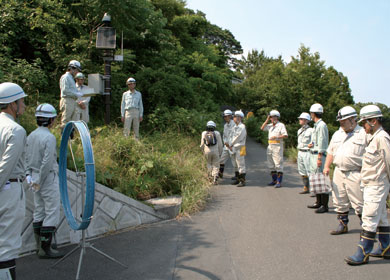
column 256, row 232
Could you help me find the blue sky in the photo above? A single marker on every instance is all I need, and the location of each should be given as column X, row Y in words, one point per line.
column 351, row 35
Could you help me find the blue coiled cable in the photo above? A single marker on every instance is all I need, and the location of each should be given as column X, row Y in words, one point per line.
column 89, row 170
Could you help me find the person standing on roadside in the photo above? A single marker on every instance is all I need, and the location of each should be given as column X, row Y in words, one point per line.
column 303, row 160
column 211, row 145
column 83, row 101
column 12, row 172
column 345, row 151
column 318, row 148
column 238, row 148
column 276, row 133
column 375, row 176
column 69, row 93
column 132, row 109
column 226, row 154
column 42, row 169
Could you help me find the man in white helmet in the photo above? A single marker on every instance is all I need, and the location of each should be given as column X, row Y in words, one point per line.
column 211, row 145
column 276, row 133
column 238, row 148
column 82, row 107
column 12, row 199
column 226, row 153
column 345, row 151
column 303, row 160
column 132, row 109
column 318, row 147
column 375, row 176
column 42, row 174
column 69, row 93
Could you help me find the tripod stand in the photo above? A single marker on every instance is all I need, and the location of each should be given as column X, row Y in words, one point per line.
column 83, row 245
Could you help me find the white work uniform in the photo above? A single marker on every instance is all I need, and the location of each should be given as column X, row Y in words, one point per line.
column 320, row 139
column 41, row 164
column 132, row 110
column 304, row 139
column 83, row 114
column 347, row 150
column 69, row 94
column 226, row 153
column 12, row 199
column 237, row 140
column 275, row 147
column 375, row 180
column 212, row 153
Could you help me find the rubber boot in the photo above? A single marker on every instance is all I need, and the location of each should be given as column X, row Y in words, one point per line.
column 221, row 169
column 235, row 176
column 274, row 176
column 37, row 231
column 47, row 251
column 317, row 204
column 237, row 181
column 215, row 181
column 360, row 218
column 343, row 224
column 383, row 249
column 279, row 180
column 364, row 249
column 305, row 180
column 242, row 180
column 8, row 268
column 324, row 204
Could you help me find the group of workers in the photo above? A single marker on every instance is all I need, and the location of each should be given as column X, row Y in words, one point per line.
column 233, row 147
column 33, row 159
column 360, row 154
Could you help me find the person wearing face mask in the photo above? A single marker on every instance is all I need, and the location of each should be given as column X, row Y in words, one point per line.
column 12, row 171
column 276, row 133
column 346, row 150
column 375, row 176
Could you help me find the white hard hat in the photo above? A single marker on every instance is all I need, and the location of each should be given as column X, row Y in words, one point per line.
column 227, row 113
column 346, row 113
column 10, row 92
column 274, row 113
column 305, row 116
column 79, row 75
column 369, row 112
column 75, row 64
column 239, row 113
column 211, row 124
column 130, row 80
column 316, row 108
column 46, row 111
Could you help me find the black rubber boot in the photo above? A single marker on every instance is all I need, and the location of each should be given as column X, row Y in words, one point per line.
column 221, row 169
column 317, row 204
column 364, row 249
column 324, row 204
column 9, row 265
column 37, row 231
column 242, row 180
column 343, row 224
column 46, row 238
column 305, row 180
column 235, row 176
column 237, row 181
column 383, row 250
column 274, row 176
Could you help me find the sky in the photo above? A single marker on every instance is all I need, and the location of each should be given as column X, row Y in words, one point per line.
column 353, row 36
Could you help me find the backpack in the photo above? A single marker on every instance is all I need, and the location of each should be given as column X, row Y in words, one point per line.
column 210, row 139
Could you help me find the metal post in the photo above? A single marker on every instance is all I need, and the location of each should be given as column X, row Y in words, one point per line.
column 108, row 58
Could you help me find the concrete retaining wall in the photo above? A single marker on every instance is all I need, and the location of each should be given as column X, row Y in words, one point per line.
column 112, row 211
